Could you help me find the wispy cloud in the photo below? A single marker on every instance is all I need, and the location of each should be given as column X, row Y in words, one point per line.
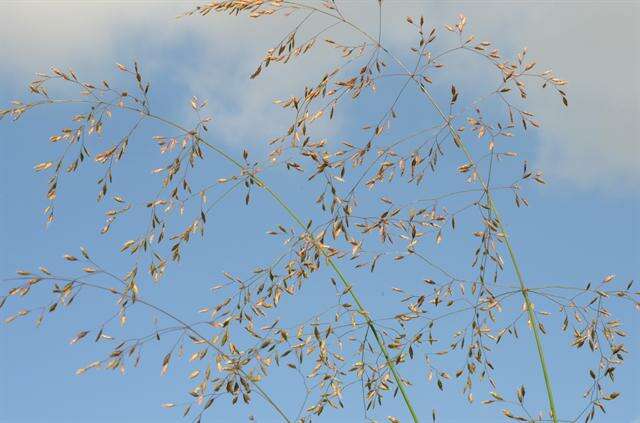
column 593, row 144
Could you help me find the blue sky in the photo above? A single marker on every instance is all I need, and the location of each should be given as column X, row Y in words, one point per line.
column 581, row 226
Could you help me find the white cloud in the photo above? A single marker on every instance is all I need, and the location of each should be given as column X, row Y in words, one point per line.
column 38, row 34
column 594, row 45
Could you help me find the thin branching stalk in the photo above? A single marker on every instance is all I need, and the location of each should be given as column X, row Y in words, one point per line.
column 307, row 251
column 190, row 328
column 347, row 285
column 322, row 249
column 523, row 288
column 491, row 204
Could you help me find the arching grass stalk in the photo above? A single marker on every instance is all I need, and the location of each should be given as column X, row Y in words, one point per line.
column 190, row 328
column 457, row 139
column 322, row 249
column 361, row 308
column 505, row 236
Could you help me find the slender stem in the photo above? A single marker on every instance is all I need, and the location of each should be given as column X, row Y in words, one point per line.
column 460, row 143
column 348, row 287
column 379, row 340
column 189, row 327
column 514, row 261
column 532, row 318
column 319, row 246
column 361, row 308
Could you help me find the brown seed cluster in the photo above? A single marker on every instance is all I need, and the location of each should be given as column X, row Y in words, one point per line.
column 240, row 340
